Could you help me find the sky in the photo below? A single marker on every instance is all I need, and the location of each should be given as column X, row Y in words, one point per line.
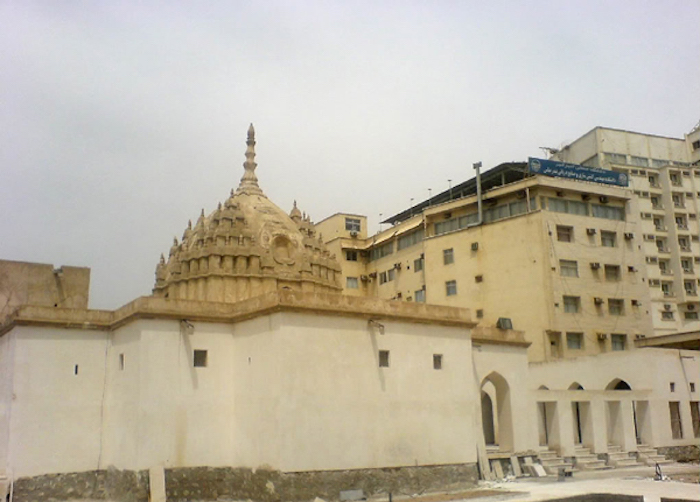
column 122, row 120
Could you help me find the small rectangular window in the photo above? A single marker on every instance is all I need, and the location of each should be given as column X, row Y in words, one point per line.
column 574, row 341
column 572, row 304
column 382, row 277
column 451, row 288
column 672, row 386
column 692, row 386
column 565, row 234
column 616, row 306
column 612, row 272
column 619, row 342
column 121, row 362
column 437, row 361
column 420, row 296
column 418, row 264
column 352, row 283
column 608, row 239
column 448, row 256
column 352, row 224
column 390, row 274
column 351, row 255
column 200, row 358
column 568, row 268
column 383, row 358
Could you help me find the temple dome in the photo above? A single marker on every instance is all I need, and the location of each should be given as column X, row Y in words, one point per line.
column 246, row 247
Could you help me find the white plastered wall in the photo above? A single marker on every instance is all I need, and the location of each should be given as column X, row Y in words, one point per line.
column 510, row 363
column 290, row 391
column 649, row 372
column 56, row 413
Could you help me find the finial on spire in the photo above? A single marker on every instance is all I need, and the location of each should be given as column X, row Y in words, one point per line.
column 249, row 182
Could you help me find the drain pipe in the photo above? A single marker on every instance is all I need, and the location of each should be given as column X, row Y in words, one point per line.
column 480, row 220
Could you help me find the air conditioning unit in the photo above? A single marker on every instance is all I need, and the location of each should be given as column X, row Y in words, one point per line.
column 447, row 215
column 595, row 265
column 602, row 336
column 585, row 196
column 475, row 246
column 373, row 275
column 650, row 237
column 603, row 199
column 560, row 194
column 635, row 303
column 667, row 307
column 629, row 236
column 364, row 278
column 397, row 266
column 690, row 306
column 504, row 323
column 591, row 231
column 598, row 301
column 631, row 269
column 639, row 337
column 353, row 233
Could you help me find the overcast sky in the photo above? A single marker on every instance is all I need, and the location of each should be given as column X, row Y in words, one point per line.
column 121, row 120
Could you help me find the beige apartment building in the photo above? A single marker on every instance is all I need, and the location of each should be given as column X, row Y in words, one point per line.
column 559, row 259
column 664, row 175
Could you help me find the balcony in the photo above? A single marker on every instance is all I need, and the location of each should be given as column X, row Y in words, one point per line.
column 661, row 228
column 657, row 206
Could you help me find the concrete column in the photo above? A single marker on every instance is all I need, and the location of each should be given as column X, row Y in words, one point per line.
column 627, row 437
column 562, row 437
column 599, row 432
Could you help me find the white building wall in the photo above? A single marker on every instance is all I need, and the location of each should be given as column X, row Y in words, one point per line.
column 56, row 414
column 290, row 391
column 649, row 372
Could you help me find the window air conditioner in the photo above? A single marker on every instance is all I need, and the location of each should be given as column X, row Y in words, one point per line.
column 353, row 233
column 635, row 303
column 602, row 336
column 504, row 323
column 629, row 236
column 595, row 265
column 598, row 301
column 603, row 199
column 667, row 307
column 690, row 307
column 364, row 278
column 591, row 231
column 475, row 246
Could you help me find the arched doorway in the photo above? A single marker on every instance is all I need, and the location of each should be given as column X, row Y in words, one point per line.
column 616, row 413
column 577, row 415
column 487, row 419
column 497, row 420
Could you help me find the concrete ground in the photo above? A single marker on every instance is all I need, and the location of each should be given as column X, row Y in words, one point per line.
column 622, row 481
column 682, row 485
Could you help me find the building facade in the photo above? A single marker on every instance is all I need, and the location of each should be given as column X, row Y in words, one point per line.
column 664, row 176
column 561, row 260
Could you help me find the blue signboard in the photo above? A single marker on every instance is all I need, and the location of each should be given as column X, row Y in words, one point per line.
column 576, row 172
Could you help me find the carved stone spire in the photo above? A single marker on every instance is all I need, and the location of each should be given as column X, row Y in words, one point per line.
column 249, row 182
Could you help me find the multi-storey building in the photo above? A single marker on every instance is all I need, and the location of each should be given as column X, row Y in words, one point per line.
column 562, row 260
column 664, row 175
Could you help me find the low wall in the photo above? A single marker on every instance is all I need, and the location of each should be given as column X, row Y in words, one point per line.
column 681, row 453
column 112, row 484
column 261, row 485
